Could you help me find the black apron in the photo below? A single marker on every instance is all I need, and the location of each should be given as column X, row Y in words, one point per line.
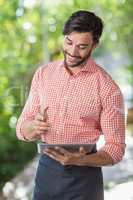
column 57, row 182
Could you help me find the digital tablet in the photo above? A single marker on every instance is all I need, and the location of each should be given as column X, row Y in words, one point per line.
column 41, row 146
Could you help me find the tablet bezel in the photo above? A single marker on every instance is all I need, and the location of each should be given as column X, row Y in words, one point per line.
column 70, row 147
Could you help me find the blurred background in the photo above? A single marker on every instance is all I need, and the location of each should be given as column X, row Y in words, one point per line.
column 31, row 35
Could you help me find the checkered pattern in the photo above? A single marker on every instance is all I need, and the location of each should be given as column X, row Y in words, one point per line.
column 81, row 106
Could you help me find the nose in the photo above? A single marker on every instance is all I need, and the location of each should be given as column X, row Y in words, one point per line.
column 74, row 51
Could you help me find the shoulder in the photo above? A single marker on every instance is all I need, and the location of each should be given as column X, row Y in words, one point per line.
column 105, row 80
column 46, row 69
column 100, row 73
column 109, row 91
column 105, row 83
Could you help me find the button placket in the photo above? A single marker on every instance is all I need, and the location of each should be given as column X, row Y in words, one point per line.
column 66, row 100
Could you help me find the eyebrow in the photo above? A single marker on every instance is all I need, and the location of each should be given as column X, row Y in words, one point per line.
column 78, row 44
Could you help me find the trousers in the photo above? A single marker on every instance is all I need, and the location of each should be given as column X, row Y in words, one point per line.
column 55, row 181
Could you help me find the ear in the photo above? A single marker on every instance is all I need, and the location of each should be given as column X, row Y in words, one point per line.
column 94, row 45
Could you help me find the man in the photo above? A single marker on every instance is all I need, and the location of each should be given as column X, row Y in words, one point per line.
column 74, row 101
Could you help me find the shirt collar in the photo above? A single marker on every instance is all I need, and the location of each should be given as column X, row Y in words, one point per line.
column 89, row 65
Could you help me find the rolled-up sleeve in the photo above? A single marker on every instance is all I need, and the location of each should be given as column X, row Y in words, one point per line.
column 31, row 107
column 112, row 120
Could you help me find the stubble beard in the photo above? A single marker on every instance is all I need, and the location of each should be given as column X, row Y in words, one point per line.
column 78, row 63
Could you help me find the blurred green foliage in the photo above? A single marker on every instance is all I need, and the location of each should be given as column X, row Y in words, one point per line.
column 28, row 35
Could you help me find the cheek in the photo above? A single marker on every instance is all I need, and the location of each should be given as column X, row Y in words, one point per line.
column 65, row 46
column 84, row 54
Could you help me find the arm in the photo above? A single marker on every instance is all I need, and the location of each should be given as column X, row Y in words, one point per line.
column 80, row 158
column 99, row 159
column 35, row 128
column 31, row 124
column 112, row 120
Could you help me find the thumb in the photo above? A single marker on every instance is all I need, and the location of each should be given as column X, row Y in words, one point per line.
column 82, row 151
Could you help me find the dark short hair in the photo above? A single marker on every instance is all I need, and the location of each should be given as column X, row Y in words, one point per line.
column 84, row 21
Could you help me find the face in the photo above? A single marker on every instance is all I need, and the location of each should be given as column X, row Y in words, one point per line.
column 77, row 48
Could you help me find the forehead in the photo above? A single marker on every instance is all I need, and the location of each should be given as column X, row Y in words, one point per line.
column 77, row 37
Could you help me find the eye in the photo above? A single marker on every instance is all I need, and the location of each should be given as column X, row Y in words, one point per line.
column 82, row 47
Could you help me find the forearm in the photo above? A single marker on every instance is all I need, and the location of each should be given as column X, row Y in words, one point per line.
column 98, row 159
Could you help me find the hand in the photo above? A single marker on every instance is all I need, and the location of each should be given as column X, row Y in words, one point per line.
column 66, row 157
column 35, row 128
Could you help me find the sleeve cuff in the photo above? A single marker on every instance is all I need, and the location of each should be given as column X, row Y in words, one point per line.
column 116, row 151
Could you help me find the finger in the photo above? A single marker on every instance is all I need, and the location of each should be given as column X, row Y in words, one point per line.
column 41, row 128
column 82, row 150
column 64, row 160
column 62, row 150
column 53, row 154
column 39, row 117
column 47, row 128
column 45, row 114
column 48, row 154
column 37, row 137
column 42, row 124
column 40, row 132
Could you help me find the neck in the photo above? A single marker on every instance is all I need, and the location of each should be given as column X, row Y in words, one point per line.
column 74, row 70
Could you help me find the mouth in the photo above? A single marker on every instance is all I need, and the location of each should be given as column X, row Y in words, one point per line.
column 72, row 59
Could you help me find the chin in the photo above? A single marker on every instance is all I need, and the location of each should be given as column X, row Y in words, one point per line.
column 71, row 65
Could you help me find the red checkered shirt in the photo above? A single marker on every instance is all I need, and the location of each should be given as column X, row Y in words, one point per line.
column 82, row 106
